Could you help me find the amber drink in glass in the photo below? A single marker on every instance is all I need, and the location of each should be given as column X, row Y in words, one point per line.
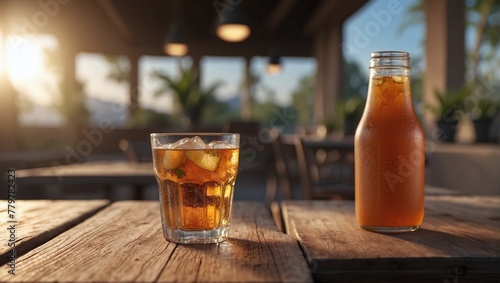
column 389, row 150
column 196, row 175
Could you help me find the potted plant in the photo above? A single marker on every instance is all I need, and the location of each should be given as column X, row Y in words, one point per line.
column 448, row 111
column 483, row 115
column 191, row 98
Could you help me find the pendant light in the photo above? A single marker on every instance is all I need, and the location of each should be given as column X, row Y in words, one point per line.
column 174, row 44
column 234, row 24
column 274, row 64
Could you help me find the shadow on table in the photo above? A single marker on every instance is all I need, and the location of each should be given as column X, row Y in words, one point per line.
column 251, row 254
column 433, row 239
column 466, row 203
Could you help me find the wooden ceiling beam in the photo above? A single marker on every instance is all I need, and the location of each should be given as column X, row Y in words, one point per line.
column 204, row 47
column 280, row 13
column 321, row 14
column 300, row 48
column 329, row 11
column 116, row 19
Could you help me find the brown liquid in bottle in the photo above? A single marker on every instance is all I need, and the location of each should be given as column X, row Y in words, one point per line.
column 389, row 151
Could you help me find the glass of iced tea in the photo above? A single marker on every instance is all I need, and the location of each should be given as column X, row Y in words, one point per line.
column 196, row 173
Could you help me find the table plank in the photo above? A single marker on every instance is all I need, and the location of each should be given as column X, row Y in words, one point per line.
column 256, row 252
column 124, row 242
column 460, row 238
column 41, row 220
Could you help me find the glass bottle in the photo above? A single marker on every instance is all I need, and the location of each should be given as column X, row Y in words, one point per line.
column 389, row 150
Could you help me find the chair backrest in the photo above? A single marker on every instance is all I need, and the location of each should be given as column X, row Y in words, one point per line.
column 326, row 168
column 253, row 151
column 284, row 158
column 136, row 151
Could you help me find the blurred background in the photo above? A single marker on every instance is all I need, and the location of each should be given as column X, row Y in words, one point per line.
column 104, row 71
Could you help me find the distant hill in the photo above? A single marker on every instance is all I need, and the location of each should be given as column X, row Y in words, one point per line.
column 40, row 115
column 102, row 110
column 233, row 103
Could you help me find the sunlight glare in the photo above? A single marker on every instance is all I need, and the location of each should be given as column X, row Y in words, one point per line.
column 1, row 53
column 24, row 63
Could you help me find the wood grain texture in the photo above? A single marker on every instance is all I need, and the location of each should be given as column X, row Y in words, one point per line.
column 460, row 238
column 255, row 252
column 41, row 220
column 124, row 243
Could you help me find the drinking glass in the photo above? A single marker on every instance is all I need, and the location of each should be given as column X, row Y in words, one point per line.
column 196, row 173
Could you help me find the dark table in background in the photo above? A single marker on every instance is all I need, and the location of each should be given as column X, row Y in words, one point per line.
column 104, row 174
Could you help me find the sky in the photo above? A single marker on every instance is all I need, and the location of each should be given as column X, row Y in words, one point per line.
column 373, row 28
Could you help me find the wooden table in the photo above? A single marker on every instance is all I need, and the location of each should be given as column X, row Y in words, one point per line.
column 94, row 241
column 29, row 159
column 105, row 174
column 459, row 242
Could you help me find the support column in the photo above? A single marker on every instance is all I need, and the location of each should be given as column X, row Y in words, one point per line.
column 134, row 89
column 72, row 94
column 246, row 107
column 8, row 107
column 195, row 57
column 445, row 51
column 8, row 95
column 195, row 118
column 333, row 79
column 320, row 54
column 328, row 53
column 69, row 70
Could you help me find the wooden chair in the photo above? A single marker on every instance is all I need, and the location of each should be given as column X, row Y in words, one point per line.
column 285, row 161
column 256, row 156
column 285, row 166
column 326, row 168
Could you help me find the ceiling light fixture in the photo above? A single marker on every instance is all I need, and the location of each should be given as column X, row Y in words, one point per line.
column 274, row 64
column 174, row 44
column 234, row 25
